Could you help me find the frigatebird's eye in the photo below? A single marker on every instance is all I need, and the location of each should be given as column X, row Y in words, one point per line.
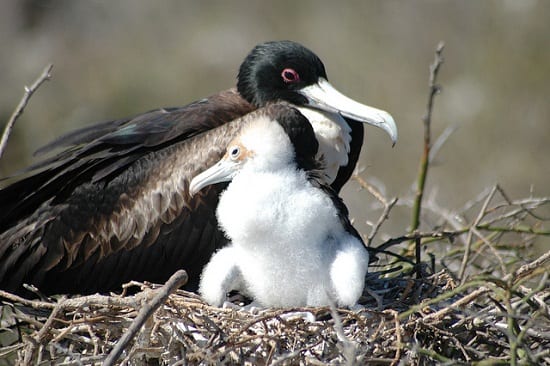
column 290, row 76
column 234, row 152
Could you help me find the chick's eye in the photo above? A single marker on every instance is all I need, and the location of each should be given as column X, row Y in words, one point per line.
column 290, row 76
column 234, row 152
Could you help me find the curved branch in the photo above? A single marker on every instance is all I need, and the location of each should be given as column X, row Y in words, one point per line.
column 29, row 91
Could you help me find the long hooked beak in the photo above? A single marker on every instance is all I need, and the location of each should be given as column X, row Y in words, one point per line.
column 323, row 95
column 223, row 171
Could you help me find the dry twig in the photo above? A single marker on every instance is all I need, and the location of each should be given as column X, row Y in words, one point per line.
column 29, row 91
column 427, row 120
column 177, row 280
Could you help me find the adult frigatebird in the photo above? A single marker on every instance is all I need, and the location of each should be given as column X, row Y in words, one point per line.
column 113, row 205
column 291, row 241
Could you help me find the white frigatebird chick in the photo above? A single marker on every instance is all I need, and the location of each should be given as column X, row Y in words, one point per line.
column 291, row 242
column 113, row 205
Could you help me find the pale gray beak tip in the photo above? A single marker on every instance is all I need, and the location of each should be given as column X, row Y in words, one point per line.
column 390, row 127
column 324, row 96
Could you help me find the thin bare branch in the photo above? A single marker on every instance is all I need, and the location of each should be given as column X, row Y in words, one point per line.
column 438, row 144
column 30, row 352
column 372, row 190
column 414, row 236
column 383, row 217
column 460, row 302
column 526, row 269
column 471, row 232
column 388, row 205
column 177, row 280
column 427, row 120
column 29, row 91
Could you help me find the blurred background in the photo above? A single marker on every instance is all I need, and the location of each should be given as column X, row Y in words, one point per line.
column 114, row 59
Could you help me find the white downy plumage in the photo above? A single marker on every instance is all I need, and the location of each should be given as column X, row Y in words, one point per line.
column 288, row 246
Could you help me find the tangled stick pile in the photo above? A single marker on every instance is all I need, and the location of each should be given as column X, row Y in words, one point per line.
column 484, row 318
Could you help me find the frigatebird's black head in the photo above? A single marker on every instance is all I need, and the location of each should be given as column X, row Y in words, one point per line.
column 276, row 71
column 287, row 71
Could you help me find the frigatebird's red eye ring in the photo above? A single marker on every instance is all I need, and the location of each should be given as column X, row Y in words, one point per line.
column 290, row 76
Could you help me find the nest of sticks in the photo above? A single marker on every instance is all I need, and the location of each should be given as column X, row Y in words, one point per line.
column 409, row 315
column 469, row 292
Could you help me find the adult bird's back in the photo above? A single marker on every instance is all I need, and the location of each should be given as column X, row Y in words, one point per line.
column 113, row 205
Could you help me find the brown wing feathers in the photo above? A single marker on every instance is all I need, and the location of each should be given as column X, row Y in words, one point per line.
column 99, row 233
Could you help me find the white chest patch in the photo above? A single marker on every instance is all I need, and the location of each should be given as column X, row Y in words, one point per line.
column 334, row 136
